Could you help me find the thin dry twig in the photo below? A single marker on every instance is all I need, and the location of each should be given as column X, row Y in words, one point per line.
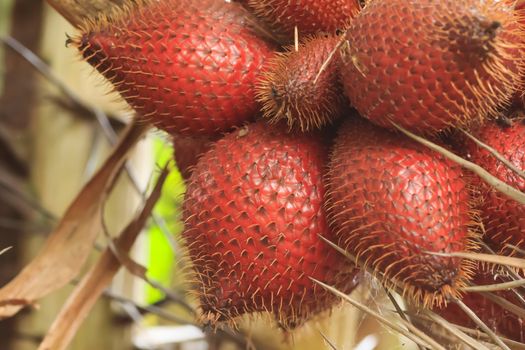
column 68, row 246
column 472, row 315
column 504, row 303
column 495, row 287
column 490, row 258
column 511, row 272
column 95, row 281
column 475, row 333
column 101, row 117
column 464, row 338
column 329, row 59
column 328, row 341
column 416, row 339
column 5, row 250
column 409, row 324
column 496, row 154
column 493, row 181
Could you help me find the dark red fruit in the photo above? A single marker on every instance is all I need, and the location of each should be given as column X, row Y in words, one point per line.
column 254, row 213
column 299, row 88
column 428, row 65
column 187, row 65
column 503, row 218
column 390, row 201
column 188, row 149
column 310, row 16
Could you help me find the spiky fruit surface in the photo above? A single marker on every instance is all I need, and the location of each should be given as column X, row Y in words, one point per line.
column 254, row 213
column 500, row 320
column 310, row 16
column 187, row 65
column 428, row 65
column 298, row 88
column 503, row 218
column 390, row 201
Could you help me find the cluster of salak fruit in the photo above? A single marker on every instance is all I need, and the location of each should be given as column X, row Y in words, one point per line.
column 284, row 117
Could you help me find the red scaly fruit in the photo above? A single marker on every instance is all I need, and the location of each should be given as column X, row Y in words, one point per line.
column 187, row 151
column 309, row 16
column 500, row 320
column 253, row 214
column 189, row 66
column 390, row 201
column 428, row 65
column 299, row 88
column 503, row 217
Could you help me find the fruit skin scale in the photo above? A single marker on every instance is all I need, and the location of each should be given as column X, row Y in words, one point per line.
column 390, row 201
column 429, row 65
column 310, row 16
column 254, row 213
column 189, row 66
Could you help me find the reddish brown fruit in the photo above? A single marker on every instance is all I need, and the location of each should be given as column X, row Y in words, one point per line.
column 297, row 88
column 431, row 64
column 390, row 200
column 188, row 65
column 500, row 320
column 503, row 218
column 254, row 213
column 187, row 150
column 310, row 16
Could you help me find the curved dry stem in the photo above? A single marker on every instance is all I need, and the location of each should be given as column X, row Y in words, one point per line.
column 329, row 58
column 475, row 333
column 328, row 341
column 511, row 272
column 472, row 315
column 418, row 332
column 495, row 287
column 401, row 314
column 416, row 339
column 455, row 331
column 5, row 250
column 493, row 181
column 496, row 154
column 513, row 247
column 489, row 258
column 504, row 303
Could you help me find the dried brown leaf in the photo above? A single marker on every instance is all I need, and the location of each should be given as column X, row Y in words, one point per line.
column 76, row 11
column 68, row 246
column 95, row 281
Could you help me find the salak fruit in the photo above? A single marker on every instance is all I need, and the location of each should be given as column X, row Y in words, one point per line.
column 253, row 214
column 392, row 203
column 189, row 66
column 503, row 217
column 309, row 16
column 428, row 65
column 188, row 149
column 300, row 88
